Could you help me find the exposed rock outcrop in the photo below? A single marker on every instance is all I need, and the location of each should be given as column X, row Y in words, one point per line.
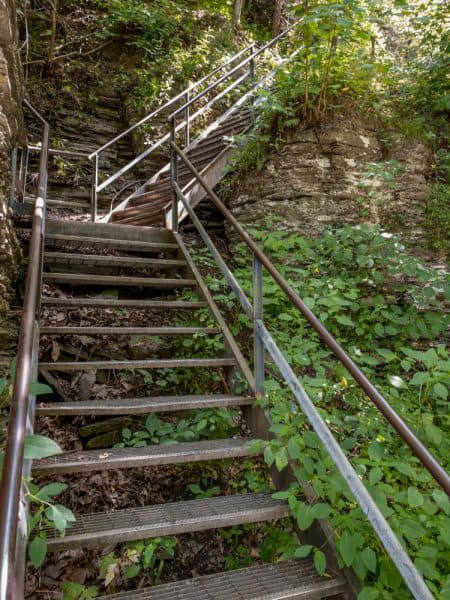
column 334, row 175
column 10, row 125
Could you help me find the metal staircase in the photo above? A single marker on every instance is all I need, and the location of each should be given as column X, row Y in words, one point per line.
column 150, row 266
column 72, row 271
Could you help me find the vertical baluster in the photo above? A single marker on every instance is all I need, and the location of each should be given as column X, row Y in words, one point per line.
column 187, row 116
column 174, row 175
column 258, row 345
column 26, row 158
column 94, row 195
column 251, row 73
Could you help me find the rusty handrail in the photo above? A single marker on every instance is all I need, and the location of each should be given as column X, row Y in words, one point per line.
column 416, row 446
column 11, row 481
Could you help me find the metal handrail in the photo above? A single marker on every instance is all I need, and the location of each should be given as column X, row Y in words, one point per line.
column 234, row 70
column 422, row 453
column 183, row 93
column 11, row 480
column 186, row 94
column 172, row 219
column 263, row 341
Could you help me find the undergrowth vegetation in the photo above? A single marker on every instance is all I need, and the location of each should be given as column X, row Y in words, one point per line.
column 390, row 61
column 384, row 306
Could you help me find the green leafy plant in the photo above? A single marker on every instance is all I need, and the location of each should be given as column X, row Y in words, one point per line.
column 384, row 306
column 196, row 425
column 76, row 591
column 146, row 556
column 201, row 494
column 43, row 512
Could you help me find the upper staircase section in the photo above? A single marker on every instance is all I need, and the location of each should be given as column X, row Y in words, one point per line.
column 204, row 120
column 150, row 204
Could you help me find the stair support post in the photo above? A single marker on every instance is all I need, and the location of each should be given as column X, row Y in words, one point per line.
column 258, row 344
column 174, row 174
column 94, row 195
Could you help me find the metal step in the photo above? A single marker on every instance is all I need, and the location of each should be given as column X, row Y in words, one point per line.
column 287, row 580
column 131, row 245
column 125, row 458
column 119, row 303
column 112, row 261
column 173, row 363
column 141, row 406
column 129, row 330
column 172, row 518
column 111, row 280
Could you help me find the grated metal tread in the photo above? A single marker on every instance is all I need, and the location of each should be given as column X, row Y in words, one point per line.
column 112, row 303
column 287, row 580
column 116, row 243
column 128, row 330
column 125, row 458
column 167, row 519
column 111, row 261
column 113, row 280
column 173, row 363
column 141, row 406
column 147, row 206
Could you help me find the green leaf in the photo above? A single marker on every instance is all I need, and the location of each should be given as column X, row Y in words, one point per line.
column 148, row 555
column 320, row 510
column 320, row 562
column 304, row 516
column 131, row 571
column 440, row 391
column 415, row 498
column 50, row 490
column 281, row 459
column 61, row 516
column 420, row 378
column 39, row 446
column 39, row 389
column 375, row 475
column 311, row 439
column 368, row 593
column 442, row 500
column 293, row 448
column 369, row 559
column 37, row 550
column 344, row 320
column 347, row 548
column 269, row 456
column 376, row 451
column 303, row 551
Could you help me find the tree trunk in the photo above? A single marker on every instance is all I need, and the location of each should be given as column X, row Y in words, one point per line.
column 51, row 47
column 237, row 12
column 276, row 22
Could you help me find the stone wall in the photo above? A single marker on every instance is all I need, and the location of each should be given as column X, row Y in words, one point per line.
column 334, row 175
column 11, row 89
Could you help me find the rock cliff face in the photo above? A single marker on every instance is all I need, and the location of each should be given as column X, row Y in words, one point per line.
column 334, row 175
column 10, row 126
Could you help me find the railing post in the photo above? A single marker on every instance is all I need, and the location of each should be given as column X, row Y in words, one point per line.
column 252, row 66
column 258, row 345
column 174, row 175
column 187, row 115
column 94, row 195
column 23, row 169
